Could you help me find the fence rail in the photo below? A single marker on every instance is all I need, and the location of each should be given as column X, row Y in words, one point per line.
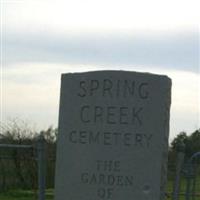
column 16, row 146
column 189, row 172
column 40, row 158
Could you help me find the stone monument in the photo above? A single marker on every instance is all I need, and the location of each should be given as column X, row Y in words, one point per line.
column 113, row 136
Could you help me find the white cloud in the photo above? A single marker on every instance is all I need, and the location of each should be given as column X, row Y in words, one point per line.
column 176, row 50
column 34, row 94
column 100, row 16
column 31, row 89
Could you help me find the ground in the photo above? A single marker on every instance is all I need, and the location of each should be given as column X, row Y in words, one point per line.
column 31, row 195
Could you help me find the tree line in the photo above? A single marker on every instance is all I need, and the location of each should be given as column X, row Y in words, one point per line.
column 18, row 167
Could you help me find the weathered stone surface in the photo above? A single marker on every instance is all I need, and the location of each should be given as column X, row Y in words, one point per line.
column 113, row 136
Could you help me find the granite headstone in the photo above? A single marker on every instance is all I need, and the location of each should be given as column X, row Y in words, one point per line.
column 113, row 136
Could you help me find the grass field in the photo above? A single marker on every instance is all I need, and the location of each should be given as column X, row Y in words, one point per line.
column 24, row 195
column 31, row 195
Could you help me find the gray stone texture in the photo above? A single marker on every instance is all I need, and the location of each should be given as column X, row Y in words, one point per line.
column 113, row 136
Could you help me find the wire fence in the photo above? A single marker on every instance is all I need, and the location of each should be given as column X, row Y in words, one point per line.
column 32, row 167
column 24, row 167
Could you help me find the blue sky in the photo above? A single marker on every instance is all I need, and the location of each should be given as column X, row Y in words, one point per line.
column 42, row 39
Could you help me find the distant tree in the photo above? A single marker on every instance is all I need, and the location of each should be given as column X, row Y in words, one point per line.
column 19, row 162
column 22, row 164
column 191, row 142
column 180, row 138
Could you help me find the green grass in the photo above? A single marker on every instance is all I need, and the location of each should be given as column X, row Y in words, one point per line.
column 183, row 188
column 31, row 195
column 24, row 195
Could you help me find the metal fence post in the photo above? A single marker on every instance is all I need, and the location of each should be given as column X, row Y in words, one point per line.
column 179, row 163
column 189, row 177
column 41, row 167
